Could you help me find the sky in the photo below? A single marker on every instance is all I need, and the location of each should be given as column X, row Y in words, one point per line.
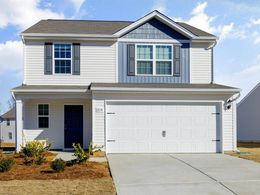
column 236, row 23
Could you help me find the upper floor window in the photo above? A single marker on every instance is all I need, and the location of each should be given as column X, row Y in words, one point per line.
column 154, row 59
column 62, row 58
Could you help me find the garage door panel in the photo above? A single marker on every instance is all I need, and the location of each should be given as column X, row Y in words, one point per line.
column 138, row 128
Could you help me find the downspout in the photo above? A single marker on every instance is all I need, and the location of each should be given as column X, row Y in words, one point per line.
column 212, row 60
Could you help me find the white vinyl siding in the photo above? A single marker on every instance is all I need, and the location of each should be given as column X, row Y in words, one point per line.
column 98, row 121
column 200, row 63
column 228, row 125
column 97, row 64
column 55, row 133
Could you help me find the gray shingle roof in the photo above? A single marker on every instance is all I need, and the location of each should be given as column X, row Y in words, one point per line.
column 9, row 114
column 126, row 85
column 77, row 27
column 194, row 30
column 94, row 27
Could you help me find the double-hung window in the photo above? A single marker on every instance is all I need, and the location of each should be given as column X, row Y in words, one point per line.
column 43, row 115
column 154, row 59
column 163, row 60
column 144, row 59
column 62, row 58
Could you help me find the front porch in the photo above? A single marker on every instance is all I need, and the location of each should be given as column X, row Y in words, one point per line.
column 57, row 117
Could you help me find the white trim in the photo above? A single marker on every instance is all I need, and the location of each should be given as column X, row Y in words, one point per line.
column 116, row 59
column 234, row 109
column 163, row 89
column 50, row 90
column 167, row 41
column 25, row 35
column 43, row 116
column 53, row 58
column 222, row 125
column 160, row 17
column 154, row 60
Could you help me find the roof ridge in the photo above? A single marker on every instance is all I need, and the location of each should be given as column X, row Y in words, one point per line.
column 89, row 20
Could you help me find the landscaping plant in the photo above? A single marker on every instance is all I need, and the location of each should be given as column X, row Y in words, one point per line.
column 58, row 165
column 34, row 152
column 80, row 153
column 6, row 164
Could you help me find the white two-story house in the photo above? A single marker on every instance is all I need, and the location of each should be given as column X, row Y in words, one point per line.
column 129, row 87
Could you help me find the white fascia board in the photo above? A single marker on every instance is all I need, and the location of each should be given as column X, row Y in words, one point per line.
column 159, row 16
column 49, row 91
column 118, row 89
column 152, row 40
column 205, row 38
column 37, row 36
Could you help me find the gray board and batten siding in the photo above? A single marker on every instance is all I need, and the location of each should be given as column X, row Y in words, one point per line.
column 153, row 29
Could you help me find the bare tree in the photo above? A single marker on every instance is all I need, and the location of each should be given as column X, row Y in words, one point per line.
column 11, row 103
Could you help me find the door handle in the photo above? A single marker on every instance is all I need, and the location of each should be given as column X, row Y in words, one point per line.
column 216, row 140
column 111, row 140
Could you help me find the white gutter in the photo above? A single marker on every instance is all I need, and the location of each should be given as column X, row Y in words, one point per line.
column 49, row 90
column 164, row 89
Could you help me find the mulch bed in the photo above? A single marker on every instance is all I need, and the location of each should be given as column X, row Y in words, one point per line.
column 20, row 171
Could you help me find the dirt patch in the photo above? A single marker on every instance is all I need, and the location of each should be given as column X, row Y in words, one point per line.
column 64, row 186
column 248, row 150
column 89, row 178
column 20, row 171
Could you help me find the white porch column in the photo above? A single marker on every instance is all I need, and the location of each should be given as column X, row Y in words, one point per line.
column 19, row 125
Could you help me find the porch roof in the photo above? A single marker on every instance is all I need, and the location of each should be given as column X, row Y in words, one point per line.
column 166, row 87
column 50, row 88
column 180, row 87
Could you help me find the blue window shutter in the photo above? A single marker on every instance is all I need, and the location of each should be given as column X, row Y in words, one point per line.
column 131, row 59
column 48, row 58
column 76, row 59
column 177, row 60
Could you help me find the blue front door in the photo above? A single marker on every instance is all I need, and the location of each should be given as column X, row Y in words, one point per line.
column 73, row 125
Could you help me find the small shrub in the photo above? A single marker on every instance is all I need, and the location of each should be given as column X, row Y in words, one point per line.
column 92, row 149
column 40, row 160
column 58, row 165
column 6, row 164
column 34, row 151
column 80, row 153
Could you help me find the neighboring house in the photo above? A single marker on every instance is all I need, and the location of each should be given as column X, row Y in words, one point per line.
column 128, row 87
column 248, row 116
column 7, row 129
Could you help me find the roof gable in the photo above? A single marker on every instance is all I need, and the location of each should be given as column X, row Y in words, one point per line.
column 154, row 29
column 9, row 114
column 252, row 92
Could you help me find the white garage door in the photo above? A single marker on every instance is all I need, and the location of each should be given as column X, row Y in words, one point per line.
column 162, row 128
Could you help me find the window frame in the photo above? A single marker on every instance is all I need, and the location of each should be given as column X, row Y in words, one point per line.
column 38, row 116
column 53, row 58
column 154, row 60
column 10, row 133
column 8, row 122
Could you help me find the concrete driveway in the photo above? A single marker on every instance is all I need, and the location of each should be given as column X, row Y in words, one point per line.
column 184, row 174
